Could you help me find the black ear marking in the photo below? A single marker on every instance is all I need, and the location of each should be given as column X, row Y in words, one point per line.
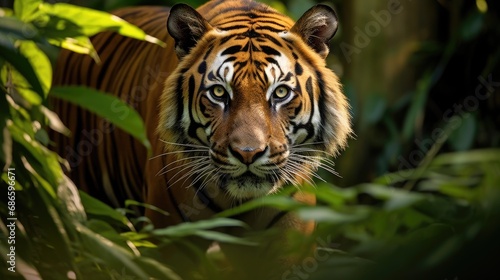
column 186, row 26
column 316, row 27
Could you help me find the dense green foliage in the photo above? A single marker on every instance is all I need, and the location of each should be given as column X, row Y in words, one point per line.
column 438, row 220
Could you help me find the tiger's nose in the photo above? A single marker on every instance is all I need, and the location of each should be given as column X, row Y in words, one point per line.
column 247, row 155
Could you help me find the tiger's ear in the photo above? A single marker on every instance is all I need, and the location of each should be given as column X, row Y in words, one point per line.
column 316, row 27
column 186, row 26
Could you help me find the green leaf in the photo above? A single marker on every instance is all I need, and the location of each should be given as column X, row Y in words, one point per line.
column 274, row 201
column 334, row 196
column 222, row 237
column 394, row 198
column 78, row 44
column 24, row 9
column 12, row 55
column 194, row 227
column 468, row 157
column 15, row 29
column 75, row 20
column 130, row 202
column 111, row 254
column 40, row 63
column 48, row 167
column 107, row 106
column 328, row 215
column 96, row 207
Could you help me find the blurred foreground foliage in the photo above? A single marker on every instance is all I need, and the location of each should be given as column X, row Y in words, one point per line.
column 436, row 221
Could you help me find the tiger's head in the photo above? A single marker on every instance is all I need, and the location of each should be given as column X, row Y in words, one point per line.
column 252, row 104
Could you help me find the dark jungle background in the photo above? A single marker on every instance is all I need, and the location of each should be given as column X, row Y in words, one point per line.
column 418, row 196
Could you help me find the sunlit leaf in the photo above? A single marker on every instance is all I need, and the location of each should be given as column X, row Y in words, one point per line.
column 78, row 44
column 25, row 9
column 394, row 198
column 27, row 72
column 328, row 215
column 78, row 21
column 107, row 106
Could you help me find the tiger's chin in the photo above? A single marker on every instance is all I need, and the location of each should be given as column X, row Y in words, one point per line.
column 249, row 186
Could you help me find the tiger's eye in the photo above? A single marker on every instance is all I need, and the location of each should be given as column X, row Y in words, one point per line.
column 218, row 91
column 281, row 92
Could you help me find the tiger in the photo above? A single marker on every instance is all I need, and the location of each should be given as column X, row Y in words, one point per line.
column 238, row 104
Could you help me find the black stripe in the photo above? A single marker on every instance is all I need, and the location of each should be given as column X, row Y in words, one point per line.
column 276, row 219
column 272, row 39
column 298, row 69
column 270, row 51
column 231, row 50
column 193, row 126
column 309, row 90
column 233, row 27
column 270, row 29
column 180, row 102
column 202, row 68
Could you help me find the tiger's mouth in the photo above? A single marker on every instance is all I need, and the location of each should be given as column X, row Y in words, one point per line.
column 248, row 185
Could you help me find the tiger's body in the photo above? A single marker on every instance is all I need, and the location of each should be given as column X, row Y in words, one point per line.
column 239, row 103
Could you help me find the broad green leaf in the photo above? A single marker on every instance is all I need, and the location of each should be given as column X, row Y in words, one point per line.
column 191, row 228
column 274, row 201
column 46, row 159
column 40, row 63
column 394, row 198
column 88, row 22
column 25, row 9
column 223, row 237
column 94, row 206
column 42, row 216
column 334, row 196
column 468, row 157
column 328, row 215
column 26, row 72
column 15, row 29
column 107, row 106
column 78, row 44
column 111, row 254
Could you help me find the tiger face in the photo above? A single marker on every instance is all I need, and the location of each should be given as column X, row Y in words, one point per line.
column 252, row 103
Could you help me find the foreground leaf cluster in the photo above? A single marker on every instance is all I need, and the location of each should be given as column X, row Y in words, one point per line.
column 438, row 221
